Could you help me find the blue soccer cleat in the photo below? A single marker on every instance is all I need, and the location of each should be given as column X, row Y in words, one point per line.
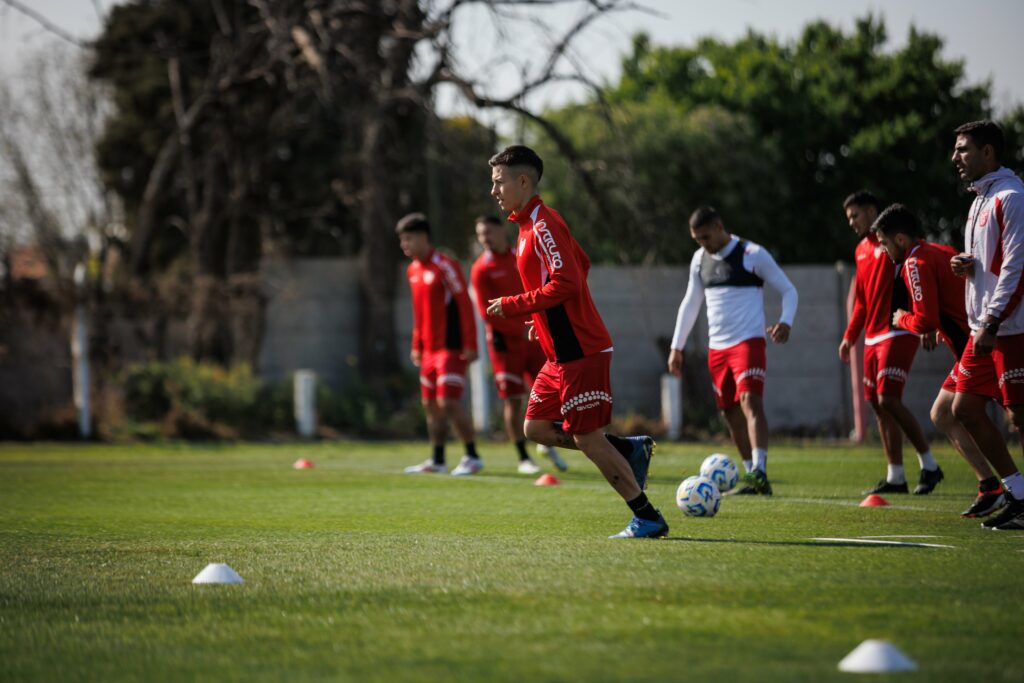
column 640, row 458
column 644, row 528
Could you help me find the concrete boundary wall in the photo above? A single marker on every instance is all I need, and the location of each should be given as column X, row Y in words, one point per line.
column 312, row 315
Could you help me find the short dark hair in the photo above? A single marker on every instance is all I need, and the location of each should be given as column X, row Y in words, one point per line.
column 704, row 215
column 985, row 133
column 413, row 222
column 520, row 155
column 489, row 219
column 897, row 219
column 862, row 198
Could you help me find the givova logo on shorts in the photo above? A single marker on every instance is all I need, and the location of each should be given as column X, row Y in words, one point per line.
column 586, row 401
column 1015, row 376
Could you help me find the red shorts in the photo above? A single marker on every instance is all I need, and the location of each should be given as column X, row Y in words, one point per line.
column 973, row 374
column 517, row 367
column 442, row 375
column 887, row 364
column 578, row 392
column 1008, row 357
column 739, row 369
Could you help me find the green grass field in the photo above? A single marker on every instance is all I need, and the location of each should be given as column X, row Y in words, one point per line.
column 356, row 572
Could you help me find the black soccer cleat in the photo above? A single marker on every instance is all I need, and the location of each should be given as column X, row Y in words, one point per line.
column 928, row 480
column 1015, row 524
column 885, row 486
column 986, row 503
column 1014, row 508
column 758, row 481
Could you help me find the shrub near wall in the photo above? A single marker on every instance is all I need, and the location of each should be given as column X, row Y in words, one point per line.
column 190, row 400
column 199, row 400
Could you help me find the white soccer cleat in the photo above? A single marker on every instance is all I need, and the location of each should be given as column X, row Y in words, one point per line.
column 551, row 454
column 427, row 467
column 528, row 467
column 467, row 466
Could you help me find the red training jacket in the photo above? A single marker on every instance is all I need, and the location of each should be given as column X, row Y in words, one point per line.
column 554, row 270
column 442, row 314
column 493, row 276
column 875, row 297
column 936, row 294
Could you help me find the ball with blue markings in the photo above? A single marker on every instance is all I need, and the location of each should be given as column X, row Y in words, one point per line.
column 698, row 496
column 720, row 469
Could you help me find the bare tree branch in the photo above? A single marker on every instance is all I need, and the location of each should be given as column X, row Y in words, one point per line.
column 43, row 21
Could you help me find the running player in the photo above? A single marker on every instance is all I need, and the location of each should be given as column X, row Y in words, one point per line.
column 992, row 264
column 888, row 351
column 729, row 273
column 443, row 343
column 571, row 401
column 515, row 360
column 936, row 299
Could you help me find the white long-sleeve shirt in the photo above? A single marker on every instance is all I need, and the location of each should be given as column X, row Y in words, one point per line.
column 735, row 314
column 994, row 235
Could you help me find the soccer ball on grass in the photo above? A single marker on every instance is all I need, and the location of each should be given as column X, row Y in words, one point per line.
column 720, row 469
column 698, row 496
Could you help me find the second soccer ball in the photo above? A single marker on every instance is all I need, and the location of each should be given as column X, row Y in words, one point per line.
column 720, row 469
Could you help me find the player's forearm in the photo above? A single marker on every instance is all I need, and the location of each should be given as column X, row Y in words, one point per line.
column 556, row 292
column 918, row 324
column 686, row 318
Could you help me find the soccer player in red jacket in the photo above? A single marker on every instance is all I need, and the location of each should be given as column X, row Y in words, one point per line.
column 515, row 359
column 571, row 401
column 888, row 351
column 443, row 343
column 936, row 298
column 993, row 267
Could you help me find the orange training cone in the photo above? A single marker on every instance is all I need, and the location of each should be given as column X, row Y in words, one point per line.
column 874, row 501
column 547, row 480
column 303, row 464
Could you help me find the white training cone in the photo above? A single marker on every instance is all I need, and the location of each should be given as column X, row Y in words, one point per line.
column 875, row 657
column 217, row 573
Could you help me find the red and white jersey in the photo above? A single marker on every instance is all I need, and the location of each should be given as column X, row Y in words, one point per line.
column 554, row 270
column 874, row 303
column 495, row 275
column 936, row 295
column 994, row 236
column 731, row 282
column 442, row 314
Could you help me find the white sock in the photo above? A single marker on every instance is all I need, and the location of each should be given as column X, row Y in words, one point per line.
column 1015, row 485
column 761, row 460
column 894, row 475
column 748, row 465
column 927, row 461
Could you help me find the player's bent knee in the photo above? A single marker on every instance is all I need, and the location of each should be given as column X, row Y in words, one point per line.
column 966, row 410
column 751, row 403
column 537, row 431
column 942, row 416
column 889, row 403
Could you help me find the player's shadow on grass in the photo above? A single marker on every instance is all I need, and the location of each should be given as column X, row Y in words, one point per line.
column 820, row 544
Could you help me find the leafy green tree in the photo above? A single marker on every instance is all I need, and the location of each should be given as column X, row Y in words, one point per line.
column 658, row 161
column 822, row 115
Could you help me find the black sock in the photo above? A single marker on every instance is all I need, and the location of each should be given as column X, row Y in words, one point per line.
column 439, row 455
column 622, row 445
column 471, row 449
column 989, row 484
column 521, row 447
column 642, row 508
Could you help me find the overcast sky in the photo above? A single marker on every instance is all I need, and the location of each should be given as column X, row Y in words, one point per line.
column 987, row 34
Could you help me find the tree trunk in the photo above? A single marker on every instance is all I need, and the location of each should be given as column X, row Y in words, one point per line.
column 378, row 263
